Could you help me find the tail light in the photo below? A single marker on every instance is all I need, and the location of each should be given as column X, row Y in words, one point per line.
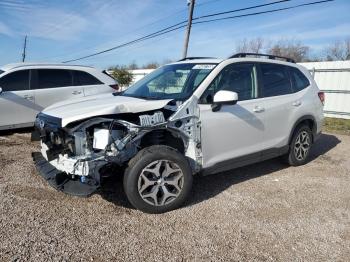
column 115, row 87
column 322, row 97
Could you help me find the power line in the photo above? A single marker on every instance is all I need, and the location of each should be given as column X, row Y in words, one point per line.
column 263, row 12
column 164, row 30
column 241, row 9
column 179, row 26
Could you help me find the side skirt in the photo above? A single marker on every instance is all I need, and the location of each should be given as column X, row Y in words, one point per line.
column 245, row 160
column 16, row 126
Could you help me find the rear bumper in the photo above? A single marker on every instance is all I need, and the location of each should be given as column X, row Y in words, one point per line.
column 61, row 181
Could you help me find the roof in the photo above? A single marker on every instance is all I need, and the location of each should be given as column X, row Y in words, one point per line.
column 200, row 61
column 25, row 64
column 240, row 59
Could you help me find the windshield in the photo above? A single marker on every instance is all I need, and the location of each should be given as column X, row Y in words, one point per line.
column 176, row 81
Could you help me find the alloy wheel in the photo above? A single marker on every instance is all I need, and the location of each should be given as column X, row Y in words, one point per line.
column 302, row 145
column 160, row 182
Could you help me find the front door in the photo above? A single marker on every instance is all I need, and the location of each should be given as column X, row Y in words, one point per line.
column 235, row 132
column 17, row 104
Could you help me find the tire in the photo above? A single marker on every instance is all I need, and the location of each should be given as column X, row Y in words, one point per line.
column 300, row 146
column 158, row 179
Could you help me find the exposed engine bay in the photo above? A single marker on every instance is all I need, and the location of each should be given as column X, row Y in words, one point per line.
column 81, row 149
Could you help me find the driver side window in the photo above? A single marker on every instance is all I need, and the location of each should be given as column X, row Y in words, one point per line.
column 239, row 78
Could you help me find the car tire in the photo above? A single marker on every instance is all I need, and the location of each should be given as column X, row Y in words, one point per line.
column 158, row 179
column 300, row 146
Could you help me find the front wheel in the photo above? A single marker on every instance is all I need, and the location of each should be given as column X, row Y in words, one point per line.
column 158, row 179
column 300, row 146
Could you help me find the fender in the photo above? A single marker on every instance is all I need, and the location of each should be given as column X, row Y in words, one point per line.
column 300, row 120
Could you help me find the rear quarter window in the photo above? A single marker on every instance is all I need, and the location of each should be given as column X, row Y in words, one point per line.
column 299, row 80
column 275, row 80
column 82, row 78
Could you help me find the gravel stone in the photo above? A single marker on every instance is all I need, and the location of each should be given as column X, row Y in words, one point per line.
column 266, row 211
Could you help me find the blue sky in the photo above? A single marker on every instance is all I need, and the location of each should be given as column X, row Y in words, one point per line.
column 60, row 30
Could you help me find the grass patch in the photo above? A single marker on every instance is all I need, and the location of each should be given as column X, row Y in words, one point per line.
column 337, row 125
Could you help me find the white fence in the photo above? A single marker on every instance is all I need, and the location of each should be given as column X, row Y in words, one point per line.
column 333, row 78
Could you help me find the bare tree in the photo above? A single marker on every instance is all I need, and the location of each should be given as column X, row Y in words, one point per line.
column 339, row 50
column 151, row 65
column 132, row 65
column 255, row 45
column 290, row 48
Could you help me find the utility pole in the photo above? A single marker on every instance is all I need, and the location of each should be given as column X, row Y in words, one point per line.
column 191, row 4
column 24, row 49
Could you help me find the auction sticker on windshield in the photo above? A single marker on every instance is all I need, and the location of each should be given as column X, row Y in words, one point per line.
column 209, row 66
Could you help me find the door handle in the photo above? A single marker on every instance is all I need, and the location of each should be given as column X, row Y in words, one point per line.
column 76, row 92
column 258, row 109
column 28, row 97
column 296, row 103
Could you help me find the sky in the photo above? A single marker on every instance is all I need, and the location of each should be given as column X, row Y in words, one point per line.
column 60, row 30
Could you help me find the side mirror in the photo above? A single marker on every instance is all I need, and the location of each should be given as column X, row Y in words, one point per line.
column 0, row 90
column 224, row 97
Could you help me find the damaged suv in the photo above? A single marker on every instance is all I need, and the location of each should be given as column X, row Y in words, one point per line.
column 195, row 116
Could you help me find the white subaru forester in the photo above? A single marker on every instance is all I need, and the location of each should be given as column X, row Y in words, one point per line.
column 195, row 116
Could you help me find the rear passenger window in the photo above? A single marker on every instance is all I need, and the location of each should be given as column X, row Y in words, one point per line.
column 84, row 79
column 299, row 79
column 49, row 78
column 275, row 79
column 15, row 81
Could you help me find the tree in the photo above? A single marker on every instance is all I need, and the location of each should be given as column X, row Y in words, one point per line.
column 123, row 76
column 255, row 45
column 151, row 65
column 339, row 50
column 291, row 49
column 132, row 66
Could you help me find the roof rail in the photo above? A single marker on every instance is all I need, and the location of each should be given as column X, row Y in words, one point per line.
column 195, row 57
column 275, row 57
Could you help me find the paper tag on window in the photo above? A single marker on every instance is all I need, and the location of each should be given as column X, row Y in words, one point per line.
column 208, row 67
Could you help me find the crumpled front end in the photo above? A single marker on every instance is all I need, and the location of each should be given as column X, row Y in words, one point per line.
column 75, row 157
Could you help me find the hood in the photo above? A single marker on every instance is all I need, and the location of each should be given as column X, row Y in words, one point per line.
column 73, row 110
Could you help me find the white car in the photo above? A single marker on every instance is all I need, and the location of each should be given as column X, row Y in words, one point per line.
column 28, row 88
column 195, row 116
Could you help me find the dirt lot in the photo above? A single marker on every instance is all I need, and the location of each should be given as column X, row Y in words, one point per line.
column 266, row 211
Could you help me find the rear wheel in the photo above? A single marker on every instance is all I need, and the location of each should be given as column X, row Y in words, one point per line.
column 300, row 146
column 158, row 179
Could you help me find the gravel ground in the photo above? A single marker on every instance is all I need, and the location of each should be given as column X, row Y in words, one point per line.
column 266, row 211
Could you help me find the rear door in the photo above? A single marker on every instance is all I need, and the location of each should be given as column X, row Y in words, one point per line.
column 89, row 84
column 279, row 103
column 54, row 85
column 17, row 103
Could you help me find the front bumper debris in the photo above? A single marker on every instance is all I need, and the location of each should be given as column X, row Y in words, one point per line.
column 61, row 181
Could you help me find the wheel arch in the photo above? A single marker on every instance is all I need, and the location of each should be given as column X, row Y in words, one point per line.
column 308, row 120
column 165, row 137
